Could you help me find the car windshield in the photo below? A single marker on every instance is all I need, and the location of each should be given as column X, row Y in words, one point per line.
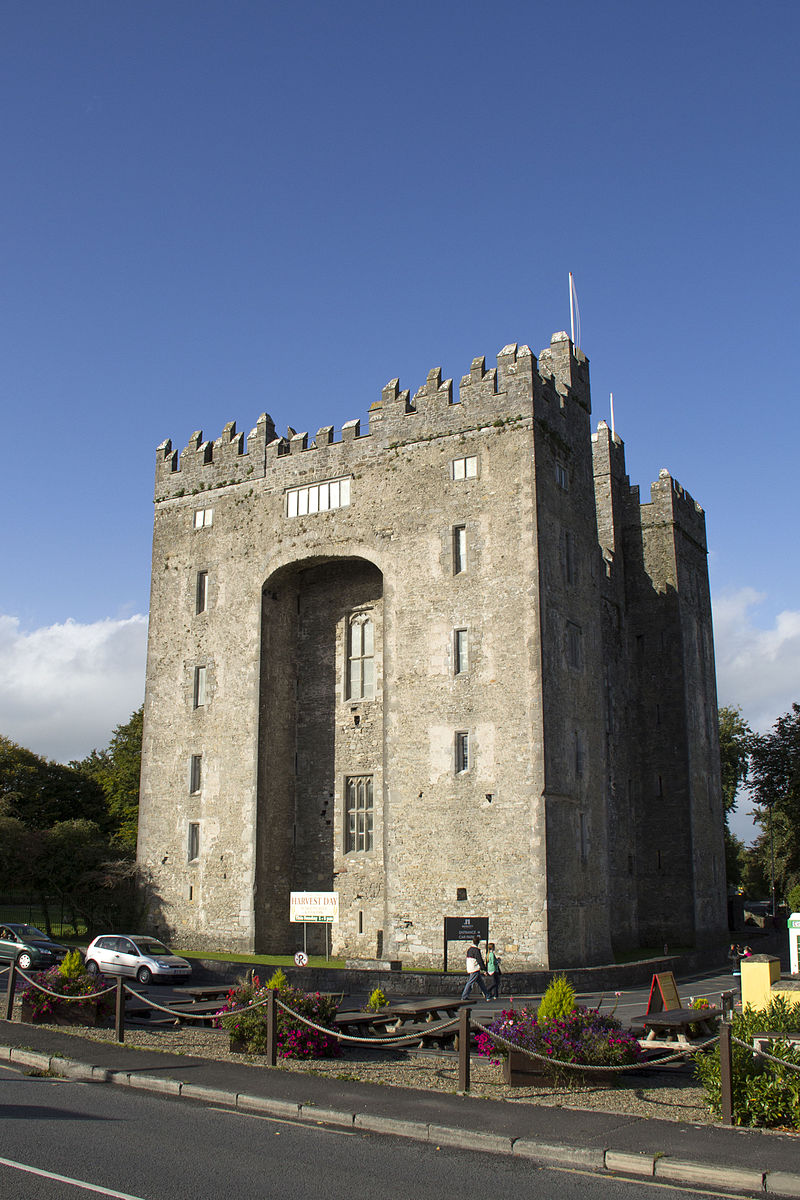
column 151, row 946
column 29, row 931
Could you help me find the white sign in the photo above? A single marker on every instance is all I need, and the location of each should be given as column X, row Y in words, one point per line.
column 300, row 959
column 313, row 906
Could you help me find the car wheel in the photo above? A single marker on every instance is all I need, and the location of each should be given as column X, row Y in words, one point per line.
column 24, row 961
column 144, row 975
column 92, row 967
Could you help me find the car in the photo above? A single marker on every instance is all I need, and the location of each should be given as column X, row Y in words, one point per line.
column 29, row 947
column 143, row 957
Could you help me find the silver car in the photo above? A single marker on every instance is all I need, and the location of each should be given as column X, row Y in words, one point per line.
column 144, row 958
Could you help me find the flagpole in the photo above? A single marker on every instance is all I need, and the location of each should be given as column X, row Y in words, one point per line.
column 612, row 413
column 571, row 309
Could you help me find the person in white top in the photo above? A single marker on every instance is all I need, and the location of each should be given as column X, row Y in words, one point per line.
column 475, row 968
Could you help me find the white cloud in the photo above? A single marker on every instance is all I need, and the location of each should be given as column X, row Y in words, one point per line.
column 63, row 688
column 757, row 669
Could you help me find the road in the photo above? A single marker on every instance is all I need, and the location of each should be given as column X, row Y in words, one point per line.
column 65, row 1140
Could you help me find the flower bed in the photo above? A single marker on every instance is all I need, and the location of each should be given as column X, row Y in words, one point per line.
column 248, row 1030
column 584, row 1037
column 41, row 1009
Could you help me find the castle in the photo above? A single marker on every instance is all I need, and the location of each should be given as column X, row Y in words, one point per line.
column 449, row 665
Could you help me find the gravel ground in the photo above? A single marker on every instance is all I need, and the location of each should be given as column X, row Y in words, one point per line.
column 666, row 1093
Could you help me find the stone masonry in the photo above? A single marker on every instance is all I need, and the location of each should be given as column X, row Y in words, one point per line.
column 446, row 666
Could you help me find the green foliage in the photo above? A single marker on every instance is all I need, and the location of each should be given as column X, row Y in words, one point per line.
column 582, row 1036
column 39, row 793
column 734, row 751
column 765, row 1094
column 558, row 1001
column 377, row 1000
column 295, row 1038
column 81, row 983
column 793, row 898
column 278, row 980
column 117, row 772
column 775, row 785
column 71, row 966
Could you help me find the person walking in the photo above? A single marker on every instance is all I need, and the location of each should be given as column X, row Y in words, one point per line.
column 475, row 969
column 493, row 971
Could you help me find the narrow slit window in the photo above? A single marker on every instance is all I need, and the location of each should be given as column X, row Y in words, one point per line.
column 193, row 851
column 201, row 595
column 460, row 652
column 459, row 549
column 462, row 752
column 196, row 774
column 199, row 687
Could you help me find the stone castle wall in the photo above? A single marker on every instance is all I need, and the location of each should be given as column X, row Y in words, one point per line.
column 508, row 575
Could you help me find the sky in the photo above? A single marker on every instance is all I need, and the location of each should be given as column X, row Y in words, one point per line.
column 216, row 208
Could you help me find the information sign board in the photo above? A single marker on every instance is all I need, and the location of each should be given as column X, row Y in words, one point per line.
column 311, row 907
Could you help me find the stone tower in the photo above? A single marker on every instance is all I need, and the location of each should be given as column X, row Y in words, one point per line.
column 446, row 666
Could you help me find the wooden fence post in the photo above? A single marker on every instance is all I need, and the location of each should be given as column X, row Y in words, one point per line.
column 12, row 981
column 464, row 1036
column 272, row 1028
column 119, row 1014
column 726, row 1073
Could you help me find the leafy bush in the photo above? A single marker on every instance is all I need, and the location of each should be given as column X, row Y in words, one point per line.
column 558, row 1000
column 793, row 898
column 278, row 980
column 295, row 1038
column 377, row 1000
column 584, row 1036
column 765, row 1094
column 68, row 982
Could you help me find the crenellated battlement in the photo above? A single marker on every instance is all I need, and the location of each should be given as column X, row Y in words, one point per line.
column 484, row 397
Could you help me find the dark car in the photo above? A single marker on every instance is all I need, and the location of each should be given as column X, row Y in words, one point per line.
column 29, row 947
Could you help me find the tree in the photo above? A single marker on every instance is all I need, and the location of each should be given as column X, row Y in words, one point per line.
column 39, row 792
column 117, row 770
column 735, row 736
column 775, row 784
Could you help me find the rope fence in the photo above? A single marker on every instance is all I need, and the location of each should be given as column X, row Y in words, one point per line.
column 463, row 1026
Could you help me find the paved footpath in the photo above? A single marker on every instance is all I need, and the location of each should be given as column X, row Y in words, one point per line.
column 741, row 1161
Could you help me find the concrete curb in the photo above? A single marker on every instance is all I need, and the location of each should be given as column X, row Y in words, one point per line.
column 736, row 1180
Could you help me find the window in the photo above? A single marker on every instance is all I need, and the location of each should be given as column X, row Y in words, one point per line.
column 360, row 658
column 358, row 813
column 193, row 852
column 462, row 752
column 465, row 468
column 199, row 687
column 562, row 476
column 196, row 773
column 574, row 648
column 318, row 497
column 201, row 592
column 460, row 652
column 203, row 517
column 459, row 549
column 578, row 754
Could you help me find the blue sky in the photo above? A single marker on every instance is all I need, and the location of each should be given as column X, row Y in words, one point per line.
column 215, row 209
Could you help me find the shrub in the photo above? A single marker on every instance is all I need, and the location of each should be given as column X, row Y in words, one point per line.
column 584, row 1036
column 278, row 980
column 295, row 1038
column 376, row 1000
column 765, row 1094
column 558, row 1000
column 67, row 980
column 793, row 898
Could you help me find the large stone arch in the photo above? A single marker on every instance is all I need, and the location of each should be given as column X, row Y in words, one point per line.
column 311, row 734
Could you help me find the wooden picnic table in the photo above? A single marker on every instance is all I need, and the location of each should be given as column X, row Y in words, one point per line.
column 672, row 1028
column 209, row 991
column 425, row 1010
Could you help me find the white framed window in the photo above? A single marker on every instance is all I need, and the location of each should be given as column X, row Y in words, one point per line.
column 574, row 647
column 358, row 813
column 199, row 687
column 195, row 773
column 562, row 476
column 193, row 847
column 361, row 658
column 462, row 752
column 459, row 549
column 464, row 468
column 318, row 497
column 201, row 592
column 203, row 517
column 460, row 652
